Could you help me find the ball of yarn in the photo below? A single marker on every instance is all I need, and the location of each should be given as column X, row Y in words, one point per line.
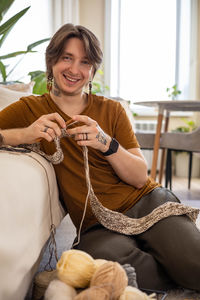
column 132, row 293
column 93, row 293
column 58, row 290
column 75, row 268
column 131, row 274
column 99, row 262
column 111, row 277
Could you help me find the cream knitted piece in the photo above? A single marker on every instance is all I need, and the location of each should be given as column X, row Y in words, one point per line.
column 120, row 223
column 112, row 220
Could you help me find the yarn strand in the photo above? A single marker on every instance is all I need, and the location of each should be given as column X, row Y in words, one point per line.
column 113, row 220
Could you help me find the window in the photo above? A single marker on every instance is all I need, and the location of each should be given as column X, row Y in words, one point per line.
column 149, row 48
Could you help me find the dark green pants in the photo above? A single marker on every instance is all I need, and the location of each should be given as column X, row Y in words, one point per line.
column 165, row 256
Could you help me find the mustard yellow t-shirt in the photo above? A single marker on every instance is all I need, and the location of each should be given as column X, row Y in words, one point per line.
column 111, row 191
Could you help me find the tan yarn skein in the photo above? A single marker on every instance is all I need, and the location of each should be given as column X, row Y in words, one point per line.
column 111, row 277
column 99, row 262
column 76, row 268
column 93, row 293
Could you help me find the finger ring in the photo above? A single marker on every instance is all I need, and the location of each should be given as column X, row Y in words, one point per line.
column 86, row 136
column 45, row 129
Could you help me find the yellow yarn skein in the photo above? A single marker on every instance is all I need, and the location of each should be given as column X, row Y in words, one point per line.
column 111, row 277
column 76, row 268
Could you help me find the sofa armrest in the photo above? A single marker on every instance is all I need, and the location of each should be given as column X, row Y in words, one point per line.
column 27, row 186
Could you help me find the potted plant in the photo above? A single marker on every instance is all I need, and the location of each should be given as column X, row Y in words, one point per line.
column 182, row 158
column 173, row 92
column 5, row 28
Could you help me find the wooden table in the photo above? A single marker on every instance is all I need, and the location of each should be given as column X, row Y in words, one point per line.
column 166, row 106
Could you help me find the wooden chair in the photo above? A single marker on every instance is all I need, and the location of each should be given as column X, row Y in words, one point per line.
column 173, row 141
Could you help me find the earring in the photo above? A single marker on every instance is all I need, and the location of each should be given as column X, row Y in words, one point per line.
column 49, row 82
column 90, row 87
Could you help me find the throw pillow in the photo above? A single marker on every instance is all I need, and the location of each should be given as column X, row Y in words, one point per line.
column 21, row 87
column 8, row 96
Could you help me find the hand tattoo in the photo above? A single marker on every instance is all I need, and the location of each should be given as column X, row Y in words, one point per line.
column 101, row 137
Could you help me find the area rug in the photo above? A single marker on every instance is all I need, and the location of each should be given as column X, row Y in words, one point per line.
column 179, row 294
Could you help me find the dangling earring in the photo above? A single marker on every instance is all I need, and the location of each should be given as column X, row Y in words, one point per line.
column 49, row 82
column 90, row 87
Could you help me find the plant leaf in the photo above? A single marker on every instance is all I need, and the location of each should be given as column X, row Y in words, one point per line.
column 12, row 21
column 100, row 71
column 13, row 54
column 3, row 71
column 4, row 36
column 4, row 6
column 34, row 74
column 40, row 86
column 33, row 45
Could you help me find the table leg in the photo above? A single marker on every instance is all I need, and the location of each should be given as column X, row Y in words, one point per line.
column 156, row 144
column 163, row 150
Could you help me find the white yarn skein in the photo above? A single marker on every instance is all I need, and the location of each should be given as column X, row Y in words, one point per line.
column 132, row 293
column 58, row 290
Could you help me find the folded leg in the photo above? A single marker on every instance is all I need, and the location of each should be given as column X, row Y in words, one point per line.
column 102, row 243
column 174, row 242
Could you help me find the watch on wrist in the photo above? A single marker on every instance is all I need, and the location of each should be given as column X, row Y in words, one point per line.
column 1, row 140
column 114, row 145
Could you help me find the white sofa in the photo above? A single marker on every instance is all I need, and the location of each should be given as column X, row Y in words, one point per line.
column 27, row 185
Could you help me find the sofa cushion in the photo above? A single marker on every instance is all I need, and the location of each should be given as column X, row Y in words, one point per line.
column 20, row 87
column 8, row 96
column 27, row 186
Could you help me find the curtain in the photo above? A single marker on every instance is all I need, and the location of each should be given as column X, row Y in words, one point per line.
column 64, row 11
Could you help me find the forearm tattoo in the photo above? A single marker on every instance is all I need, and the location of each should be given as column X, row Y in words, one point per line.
column 101, row 137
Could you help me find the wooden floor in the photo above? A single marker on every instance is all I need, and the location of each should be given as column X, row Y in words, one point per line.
column 180, row 189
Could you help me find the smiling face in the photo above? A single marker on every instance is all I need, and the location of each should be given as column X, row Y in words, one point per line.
column 73, row 70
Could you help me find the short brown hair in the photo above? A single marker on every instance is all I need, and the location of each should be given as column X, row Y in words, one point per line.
column 58, row 41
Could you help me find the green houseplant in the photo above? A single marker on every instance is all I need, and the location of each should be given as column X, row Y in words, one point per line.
column 188, row 127
column 5, row 28
column 173, row 92
column 181, row 157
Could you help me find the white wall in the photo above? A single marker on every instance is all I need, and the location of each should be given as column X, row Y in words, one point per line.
column 91, row 15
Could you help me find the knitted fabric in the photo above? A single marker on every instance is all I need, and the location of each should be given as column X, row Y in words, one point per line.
column 113, row 220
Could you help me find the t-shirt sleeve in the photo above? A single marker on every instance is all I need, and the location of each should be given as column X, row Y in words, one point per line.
column 14, row 116
column 124, row 131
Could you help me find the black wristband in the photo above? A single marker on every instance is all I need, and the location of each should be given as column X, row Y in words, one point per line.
column 114, row 145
